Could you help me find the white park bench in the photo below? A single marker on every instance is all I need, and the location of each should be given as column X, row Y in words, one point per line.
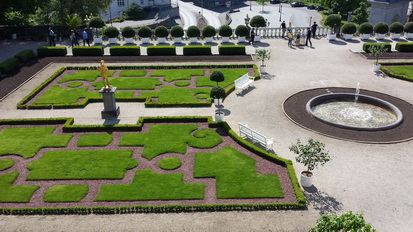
column 243, row 82
column 255, row 137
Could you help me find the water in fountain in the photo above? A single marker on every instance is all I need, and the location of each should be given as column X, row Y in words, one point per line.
column 356, row 96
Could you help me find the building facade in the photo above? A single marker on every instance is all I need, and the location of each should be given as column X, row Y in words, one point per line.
column 118, row 7
column 388, row 11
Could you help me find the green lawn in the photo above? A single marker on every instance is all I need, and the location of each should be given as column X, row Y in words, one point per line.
column 66, row 193
column 182, row 83
column 15, row 193
column 148, row 185
column 236, row 175
column 170, row 163
column 89, row 75
column 6, row 164
column 59, row 95
column 82, row 164
column 168, row 94
column 143, row 83
column 132, row 73
column 94, row 140
column 27, row 141
column 230, row 76
column 74, row 84
column 405, row 70
column 180, row 74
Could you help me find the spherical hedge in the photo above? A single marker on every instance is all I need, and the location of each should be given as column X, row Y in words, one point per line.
column 241, row 30
column 225, row 31
column 193, row 31
column 349, row 28
column 161, row 31
column 258, row 21
column 128, row 32
column 96, row 22
column 408, row 27
column 396, row 27
column 333, row 20
column 209, row 31
column 217, row 92
column 366, row 28
column 111, row 32
column 177, row 31
column 217, row 76
column 381, row 28
column 145, row 32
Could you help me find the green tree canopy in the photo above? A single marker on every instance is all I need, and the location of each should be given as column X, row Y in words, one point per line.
column 134, row 11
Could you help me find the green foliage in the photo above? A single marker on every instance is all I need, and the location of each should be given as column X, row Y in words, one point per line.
column 134, row 11
column 142, row 83
column 217, row 92
column 311, row 154
column 6, row 164
column 197, row 50
column 27, row 141
column 408, row 27
column 404, row 72
column 366, row 46
column 177, row 31
column 82, row 165
column 96, row 22
column 263, row 55
column 74, row 84
column 230, row 76
column 128, row 32
column 193, row 31
column 182, row 83
column 241, row 30
column 148, row 185
column 231, row 50
column 15, row 193
column 125, row 51
column 51, row 51
column 170, row 163
column 258, row 21
column 348, row 28
column 132, row 73
column 161, row 50
column 217, row 76
column 24, row 55
column 381, row 28
column 209, row 31
column 184, row 74
column 333, row 21
column 404, row 46
column 145, row 32
column 365, row 28
column 236, row 175
column 86, row 140
column 58, row 95
column 361, row 14
column 88, row 51
column 88, row 75
column 377, row 50
column 225, row 31
column 345, row 222
column 111, row 32
column 396, row 27
column 263, row 3
column 161, row 31
column 9, row 65
column 65, row 193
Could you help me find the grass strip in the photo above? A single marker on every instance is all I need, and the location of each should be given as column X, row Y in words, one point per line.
column 86, row 140
column 15, row 193
column 65, row 193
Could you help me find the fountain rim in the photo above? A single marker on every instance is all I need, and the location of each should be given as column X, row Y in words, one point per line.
column 368, row 99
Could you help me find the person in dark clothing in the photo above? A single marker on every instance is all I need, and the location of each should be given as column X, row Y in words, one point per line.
column 252, row 36
column 85, row 37
column 283, row 28
column 314, row 29
column 308, row 38
column 52, row 37
column 77, row 36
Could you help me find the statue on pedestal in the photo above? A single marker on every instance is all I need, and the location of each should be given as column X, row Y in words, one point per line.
column 104, row 74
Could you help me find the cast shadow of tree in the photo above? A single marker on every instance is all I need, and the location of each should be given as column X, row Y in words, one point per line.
column 321, row 201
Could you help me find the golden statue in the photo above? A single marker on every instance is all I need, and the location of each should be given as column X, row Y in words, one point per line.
column 104, row 73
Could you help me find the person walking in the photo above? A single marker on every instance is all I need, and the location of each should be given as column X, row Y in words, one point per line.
column 72, row 37
column 52, row 37
column 252, row 37
column 298, row 39
column 290, row 38
column 314, row 28
column 77, row 36
column 85, row 37
column 283, row 29
column 308, row 37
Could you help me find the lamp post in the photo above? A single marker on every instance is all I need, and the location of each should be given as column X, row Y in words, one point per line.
column 310, row 21
column 281, row 11
column 202, row 7
column 247, row 21
column 250, row 6
column 110, row 14
column 87, row 20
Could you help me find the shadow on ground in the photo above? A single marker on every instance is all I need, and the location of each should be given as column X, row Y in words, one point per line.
column 321, row 201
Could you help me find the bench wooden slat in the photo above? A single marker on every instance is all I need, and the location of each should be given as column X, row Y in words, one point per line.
column 244, row 81
column 255, row 136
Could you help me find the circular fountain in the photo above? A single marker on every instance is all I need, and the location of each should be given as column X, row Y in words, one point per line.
column 354, row 111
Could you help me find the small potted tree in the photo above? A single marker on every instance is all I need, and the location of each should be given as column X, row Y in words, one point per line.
column 208, row 33
column 408, row 30
column 112, row 33
column 333, row 21
column 348, row 30
column 241, row 31
column 145, row 34
column 217, row 93
column 193, row 33
column 161, row 32
column 257, row 21
column 365, row 30
column 128, row 33
column 311, row 155
column 217, row 76
column 380, row 30
column 377, row 50
column 395, row 29
column 263, row 55
column 225, row 31
column 97, row 22
column 177, row 32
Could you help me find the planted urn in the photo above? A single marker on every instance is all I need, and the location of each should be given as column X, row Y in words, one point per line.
column 365, row 29
column 161, row 32
column 177, row 32
column 257, row 21
column 128, row 33
column 193, row 33
column 217, row 76
column 333, row 21
column 380, row 29
column 145, row 33
column 241, row 31
column 395, row 29
column 408, row 29
column 217, row 93
column 348, row 30
column 225, row 31
column 111, row 32
column 208, row 32
column 97, row 22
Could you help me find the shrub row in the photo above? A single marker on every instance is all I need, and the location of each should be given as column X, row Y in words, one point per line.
column 51, row 51
column 88, row 51
column 161, row 50
column 8, row 65
column 197, row 50
column 404, row 46
column 231, row 50
column 125, row 51
column 24, row 56
column 366, row 46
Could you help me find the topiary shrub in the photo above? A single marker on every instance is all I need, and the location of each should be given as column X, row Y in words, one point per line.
column 381, row 28
column 193, row 31
column 145, row 32
column 217, row 76
column 241, row 30
column 128, row 32
column 396, row 28
column 258, row 21
column 333, row 21
column 225, row 31
column 408, row 27
column 111, row 32
column 8, row 65
column 161, row 31
column 177, row 31
column 209, row 31
column 217, row 92
column 349, row 28
column 366, row 28
column 24, row 55
column 97, row 22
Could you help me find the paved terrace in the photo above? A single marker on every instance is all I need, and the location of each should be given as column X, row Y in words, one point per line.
column 370, row 178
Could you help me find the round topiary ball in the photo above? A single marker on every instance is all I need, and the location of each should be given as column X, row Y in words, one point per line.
column 225, row 31
column 161, row 31
column 258, row 21
column 366, row 28
column 333, row 20
column 217, row 92
column 193, row 31
column 241, row 30
column 145, row 32
column 96, row 22
column 209, row 31
column 408, row 27
column 111, row 32
column 349, row 28
column 128, row 32
column 381, row 28
column 217, row 76
column 396, row 28
column 177, row 31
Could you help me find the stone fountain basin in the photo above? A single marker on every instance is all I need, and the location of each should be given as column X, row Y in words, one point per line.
column 348, row 97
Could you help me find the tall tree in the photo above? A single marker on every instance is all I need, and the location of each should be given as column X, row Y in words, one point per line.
column 17, row 12
column 360, row 15
column 263, row 3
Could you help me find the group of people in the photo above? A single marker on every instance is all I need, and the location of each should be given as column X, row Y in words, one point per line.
column 74, row 37
column 309, row 33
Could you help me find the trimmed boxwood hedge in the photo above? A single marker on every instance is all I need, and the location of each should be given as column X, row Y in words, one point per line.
column 231, row 49
column 125, row 51
column 24, row 55
column 161, row 50
column 51, row 51
column 8, row 65
column 366, row 46
column 404, row 46
column 88, row 51
column 197, row 50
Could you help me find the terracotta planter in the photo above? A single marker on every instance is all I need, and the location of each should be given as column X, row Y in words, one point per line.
column 306, row 180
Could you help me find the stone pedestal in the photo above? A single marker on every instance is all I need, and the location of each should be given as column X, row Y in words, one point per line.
column 110, row 110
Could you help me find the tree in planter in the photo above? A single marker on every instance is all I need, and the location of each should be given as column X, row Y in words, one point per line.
column 217, row 92
column 263, row 55
column 377, row 50
column 366, row 28
column 128, row 32
column 193, row 31
column 97, row 22
column 217, row 76
column 209, row 31
column 334, row 22
column 161, row 31
column 241, row 30
column 225, row 31
column 396, row 28
column 344, row 222
column 111, row 32
column 177, row 31
column 408, row 27
column 349, row 28
column 145, row 32
column 258, row 21
column 381, row 28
